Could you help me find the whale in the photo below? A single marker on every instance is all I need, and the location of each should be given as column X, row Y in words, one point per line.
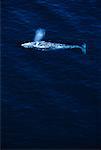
column 47, row 46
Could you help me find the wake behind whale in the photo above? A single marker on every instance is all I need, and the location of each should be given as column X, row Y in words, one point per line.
column 46, row 46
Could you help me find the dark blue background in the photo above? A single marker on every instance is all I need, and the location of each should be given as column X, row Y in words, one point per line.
column 50, row 99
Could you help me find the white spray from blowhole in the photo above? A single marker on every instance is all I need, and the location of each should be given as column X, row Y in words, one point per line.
column 39, row 34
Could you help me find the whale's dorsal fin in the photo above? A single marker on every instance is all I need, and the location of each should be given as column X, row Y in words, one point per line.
column 39, row 34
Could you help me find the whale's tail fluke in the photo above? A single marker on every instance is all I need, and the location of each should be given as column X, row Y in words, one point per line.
column 39, row 34
column 84, row 48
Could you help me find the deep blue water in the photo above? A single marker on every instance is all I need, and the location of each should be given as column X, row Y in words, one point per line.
column 51, row 99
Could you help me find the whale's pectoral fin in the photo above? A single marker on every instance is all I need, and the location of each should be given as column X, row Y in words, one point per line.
column 43, row 49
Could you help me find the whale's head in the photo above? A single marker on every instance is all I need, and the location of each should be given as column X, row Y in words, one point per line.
column 27, row 45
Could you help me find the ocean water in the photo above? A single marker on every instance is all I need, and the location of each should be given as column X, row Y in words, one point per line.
column 50, row 99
